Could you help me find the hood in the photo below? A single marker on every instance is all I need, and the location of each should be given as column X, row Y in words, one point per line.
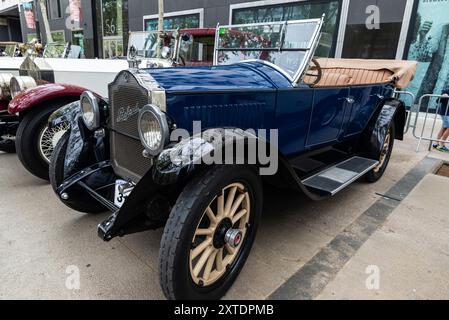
column 248, row 75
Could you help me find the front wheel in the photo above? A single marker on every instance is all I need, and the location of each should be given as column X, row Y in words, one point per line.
column 385, row 155
column 35, row 142
column 210, row 232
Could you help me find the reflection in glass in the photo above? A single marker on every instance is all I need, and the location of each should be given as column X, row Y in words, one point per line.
column 297, row 11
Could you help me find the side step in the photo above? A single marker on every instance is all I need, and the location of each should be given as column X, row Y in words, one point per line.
column 338, row 177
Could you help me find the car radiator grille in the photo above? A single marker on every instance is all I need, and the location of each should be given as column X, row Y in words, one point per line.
column 127, row 98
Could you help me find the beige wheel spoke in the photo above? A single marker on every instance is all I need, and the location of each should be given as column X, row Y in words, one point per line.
column 236, row 204
column 230, row 249
column 202, row 261
column 219, row 260
column 195, row 252
column 211, row 216
column 239, row 215
column 204, row 232
column 209, row 265
column 230, row 200
column 220, row 207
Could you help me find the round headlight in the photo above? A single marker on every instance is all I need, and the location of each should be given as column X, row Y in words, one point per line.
column 153, row 129
column 5, row 80
column 90, row 110
column 19, row 84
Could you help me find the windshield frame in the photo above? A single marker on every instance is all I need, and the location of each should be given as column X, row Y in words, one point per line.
column 174, row 53
column 309, row 52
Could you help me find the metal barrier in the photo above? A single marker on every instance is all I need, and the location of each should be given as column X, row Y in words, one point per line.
column 432, row 116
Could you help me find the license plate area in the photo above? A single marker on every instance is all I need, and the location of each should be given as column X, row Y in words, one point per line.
column 122, row 190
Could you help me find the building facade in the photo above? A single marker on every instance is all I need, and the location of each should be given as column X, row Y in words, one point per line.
column 10, row 21
column 368, row 29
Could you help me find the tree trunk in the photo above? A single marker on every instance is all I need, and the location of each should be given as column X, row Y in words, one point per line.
column 48, row 35
column 160, row 29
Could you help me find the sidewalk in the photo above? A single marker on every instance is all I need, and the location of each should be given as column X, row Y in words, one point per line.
column 411, row 251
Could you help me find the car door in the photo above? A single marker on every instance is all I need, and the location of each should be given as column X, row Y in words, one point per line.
column 365, row 100
column 329, row 110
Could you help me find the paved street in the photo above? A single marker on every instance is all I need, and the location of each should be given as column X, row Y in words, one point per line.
column 40, row 238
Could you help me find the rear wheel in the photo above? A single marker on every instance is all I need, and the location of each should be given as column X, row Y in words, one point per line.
column 57, row 176
column 35, row 142
column 385, row 155
column 210, row 232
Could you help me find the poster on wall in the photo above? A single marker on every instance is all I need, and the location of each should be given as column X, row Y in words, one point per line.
column 28, row 11
column 75, row 10
column 430, row 47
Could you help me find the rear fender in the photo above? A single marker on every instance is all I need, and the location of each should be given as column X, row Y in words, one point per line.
column 372, row 140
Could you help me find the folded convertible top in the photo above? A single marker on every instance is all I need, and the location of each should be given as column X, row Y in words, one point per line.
column 401, row 72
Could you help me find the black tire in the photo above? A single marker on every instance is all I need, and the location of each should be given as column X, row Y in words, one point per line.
column 27, row 139
column 8, row 146
column 56, row 173
column 374, row 175
column 175, row 276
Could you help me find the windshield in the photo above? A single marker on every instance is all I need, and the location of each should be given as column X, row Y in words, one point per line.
column 288, row 45
column 146, row 43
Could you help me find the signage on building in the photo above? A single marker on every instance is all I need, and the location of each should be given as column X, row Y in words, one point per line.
column 28, row 11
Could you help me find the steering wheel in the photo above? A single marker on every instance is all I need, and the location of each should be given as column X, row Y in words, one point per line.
column 314, row 71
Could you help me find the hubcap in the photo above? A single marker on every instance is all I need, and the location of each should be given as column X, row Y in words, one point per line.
column 219, row 235
column 384, row 153
column 49, row 138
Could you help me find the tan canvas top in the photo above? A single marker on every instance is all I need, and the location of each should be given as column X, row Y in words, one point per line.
column 402, row 71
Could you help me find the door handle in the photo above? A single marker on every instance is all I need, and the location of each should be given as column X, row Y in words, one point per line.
column 350, row 100
column 379, row 96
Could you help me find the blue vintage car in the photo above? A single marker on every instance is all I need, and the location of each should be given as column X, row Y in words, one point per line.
column 266, row 112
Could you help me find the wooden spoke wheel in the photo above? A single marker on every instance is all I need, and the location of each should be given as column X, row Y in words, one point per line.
column 210, row 232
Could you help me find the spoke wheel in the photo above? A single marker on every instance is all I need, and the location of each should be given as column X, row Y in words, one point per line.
column 212, row 251
column 384, row 158
column 210, row 232
column 384, row 153
column 48, row 139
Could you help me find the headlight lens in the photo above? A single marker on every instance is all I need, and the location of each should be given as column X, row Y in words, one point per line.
column 153, row 129
column 90, row 110
column 19, row 84
column 5, row 80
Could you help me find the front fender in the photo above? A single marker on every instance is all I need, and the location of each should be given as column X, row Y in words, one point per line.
column 43, row 93
column 214, row 146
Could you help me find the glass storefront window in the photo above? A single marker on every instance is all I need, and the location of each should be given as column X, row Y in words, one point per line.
column 172, row 23
column 429, row 46
column 112, row 16
column 368, row 42
column 297, row 11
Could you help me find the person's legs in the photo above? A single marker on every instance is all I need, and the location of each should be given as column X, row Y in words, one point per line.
column 444, row 132
column 445, row 135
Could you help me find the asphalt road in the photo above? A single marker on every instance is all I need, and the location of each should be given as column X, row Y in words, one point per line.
column 42, row 242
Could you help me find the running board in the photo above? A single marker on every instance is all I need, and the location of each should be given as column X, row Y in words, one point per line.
column 338, row 177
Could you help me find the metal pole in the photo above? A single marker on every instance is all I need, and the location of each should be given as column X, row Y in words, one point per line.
column 48, row 35
column 160, row 29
